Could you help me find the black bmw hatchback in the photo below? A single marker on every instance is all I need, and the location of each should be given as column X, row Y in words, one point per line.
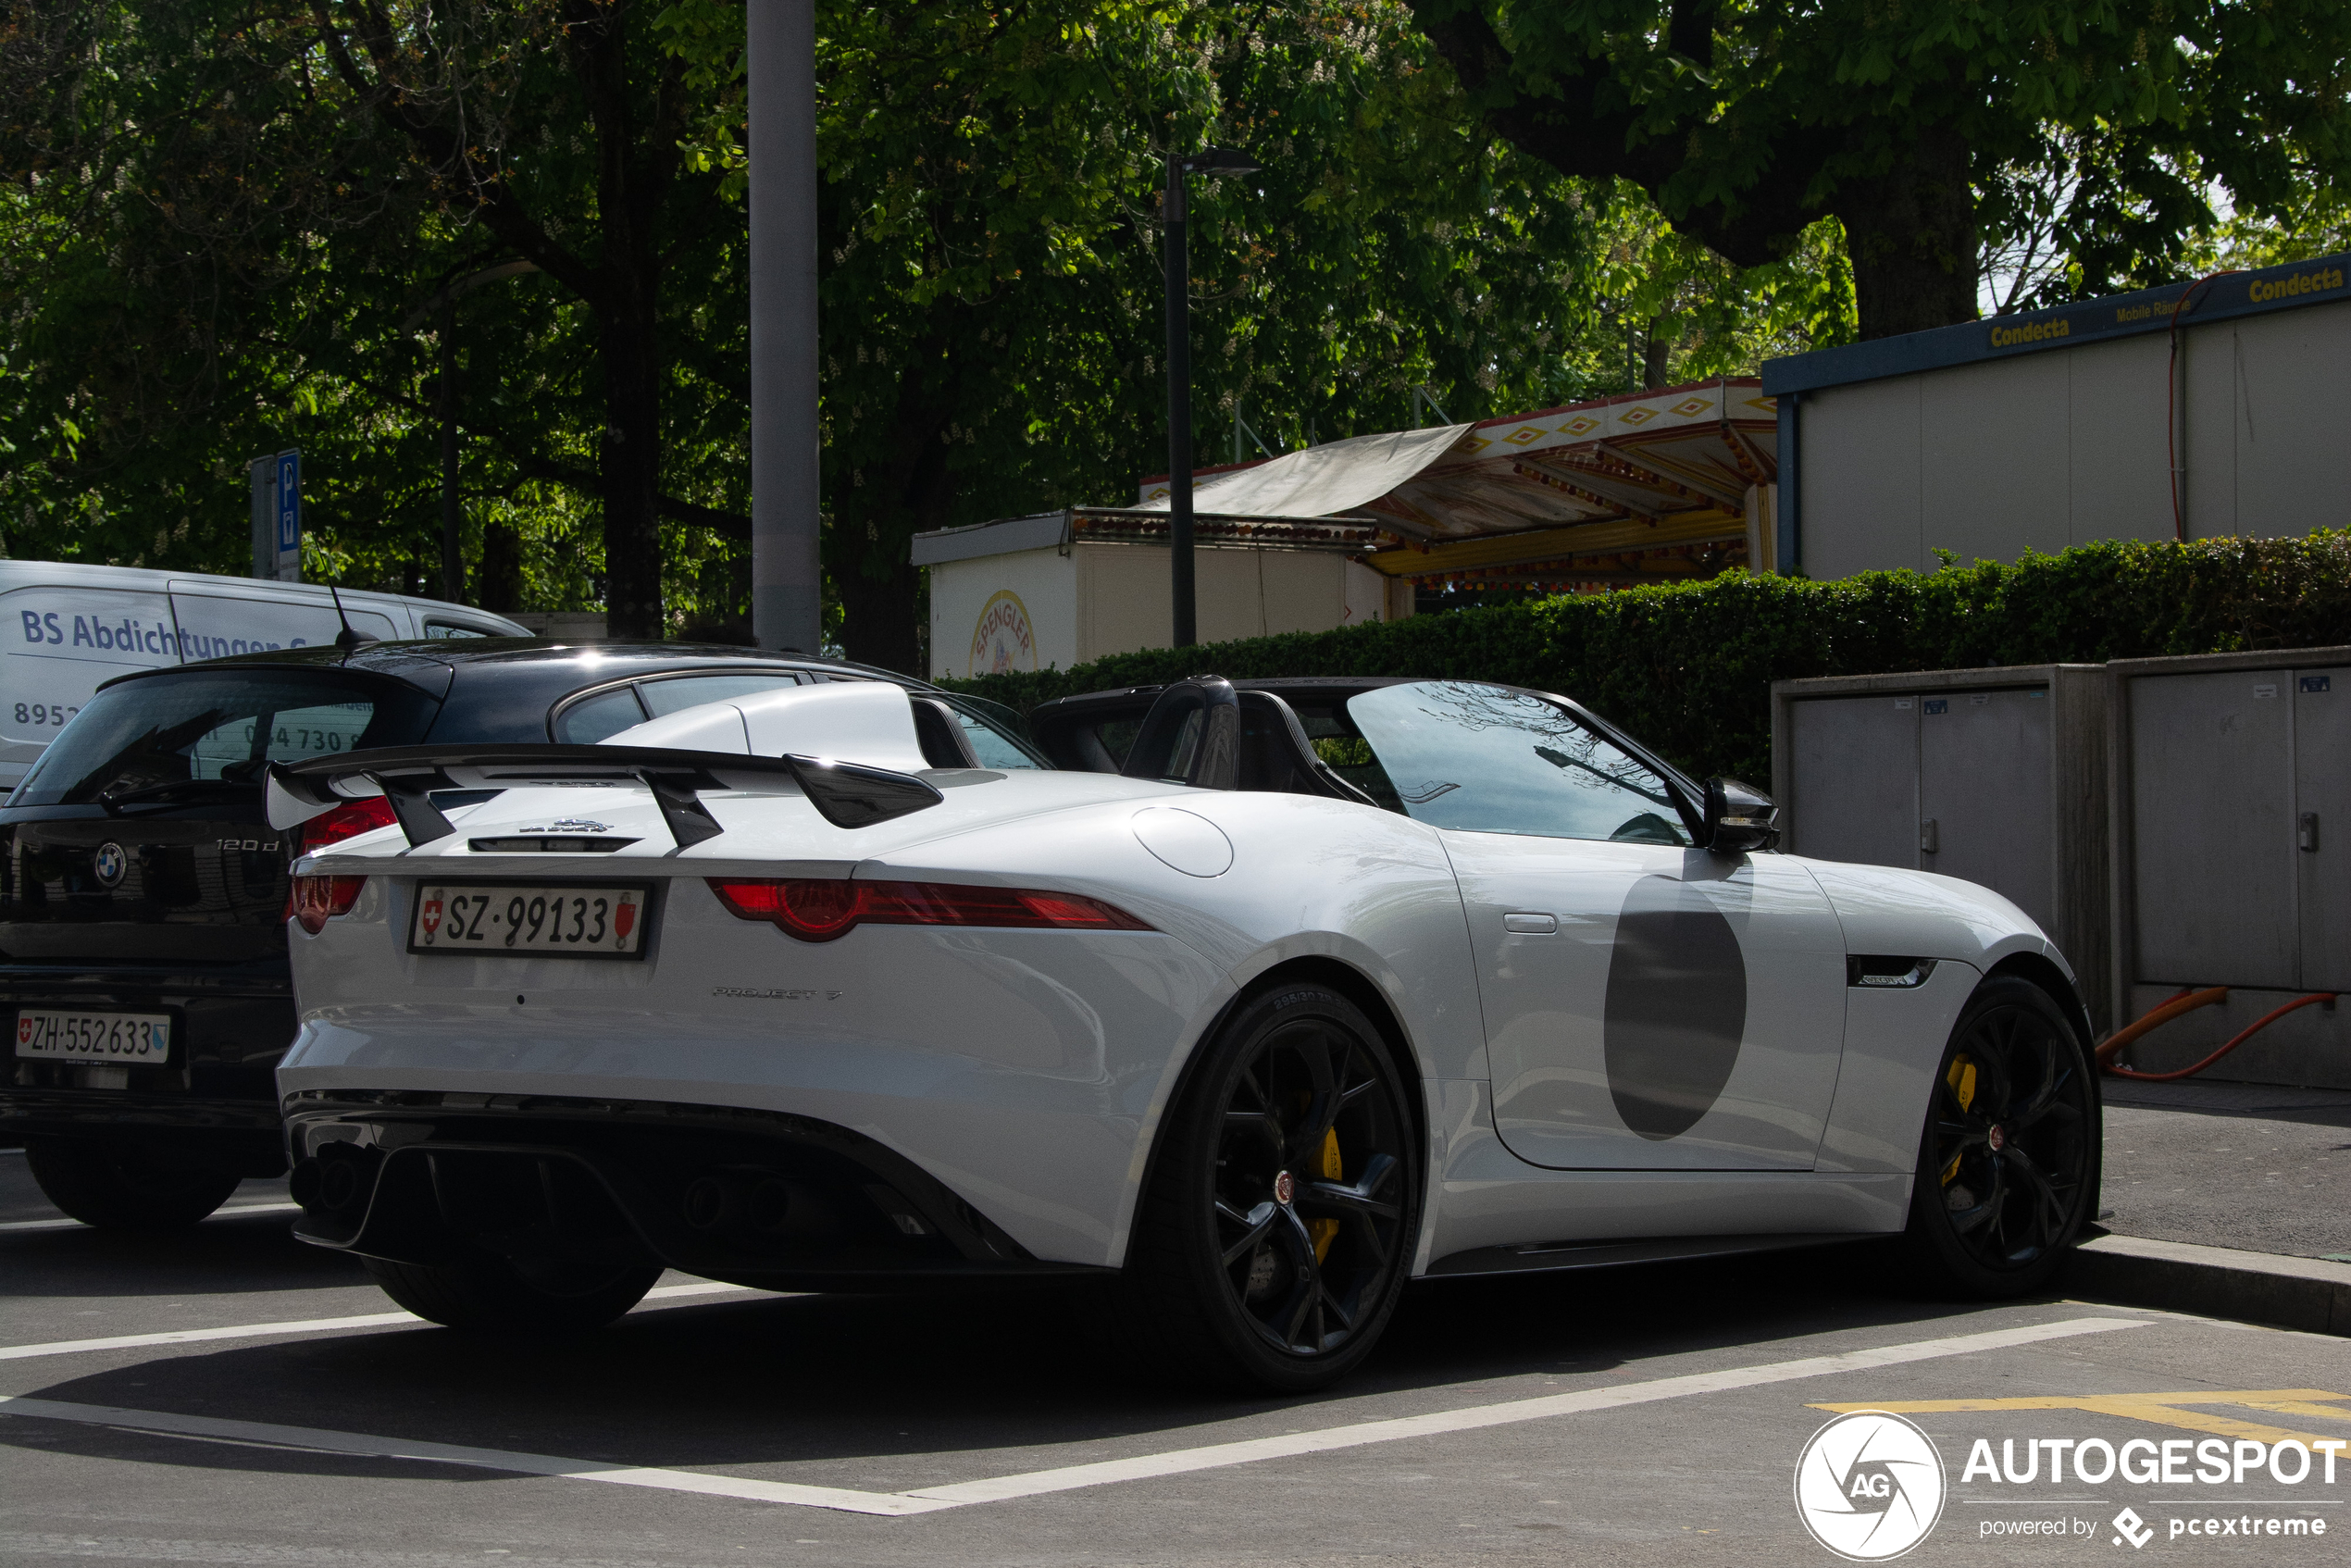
column 144, row 894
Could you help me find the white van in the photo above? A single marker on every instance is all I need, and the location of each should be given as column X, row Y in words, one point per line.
column 66, row 628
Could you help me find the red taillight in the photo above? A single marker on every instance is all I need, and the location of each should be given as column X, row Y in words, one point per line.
column 346, row 821
column 317, row 900
column 817, row 910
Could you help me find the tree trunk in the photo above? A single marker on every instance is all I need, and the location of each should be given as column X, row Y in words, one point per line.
column 1657, row 349
column 1911, row 236
column 914, row 492
column 629, row 188
column 878, row 623
column 877, row 583
column 632, row 469
column 500, row 580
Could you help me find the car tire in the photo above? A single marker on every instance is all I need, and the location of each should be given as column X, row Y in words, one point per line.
column 2008, row 1157
column 116, row 1188
column 495, row 1296
column 1277, row 1226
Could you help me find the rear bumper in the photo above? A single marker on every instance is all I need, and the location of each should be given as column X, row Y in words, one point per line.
column 234, row 1133
column 230, row 1026
column 216, row 1098
column 758, row 1198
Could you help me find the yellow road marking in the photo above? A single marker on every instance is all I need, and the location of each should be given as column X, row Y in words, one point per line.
column 2161, row 1410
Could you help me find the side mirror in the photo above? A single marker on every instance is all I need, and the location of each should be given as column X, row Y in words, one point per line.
column 1739, row 817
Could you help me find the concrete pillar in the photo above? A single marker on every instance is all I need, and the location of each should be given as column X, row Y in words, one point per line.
column 787, row 581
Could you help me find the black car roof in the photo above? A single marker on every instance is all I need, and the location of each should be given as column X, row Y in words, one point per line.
column 1285, row 686
column 611, row 660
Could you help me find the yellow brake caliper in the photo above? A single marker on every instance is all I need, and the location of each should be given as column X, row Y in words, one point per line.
column 1324, row 1231
column 1961, row 1078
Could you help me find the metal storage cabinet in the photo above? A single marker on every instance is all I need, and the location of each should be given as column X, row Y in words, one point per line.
column 1996, row 775
column 2232, row 852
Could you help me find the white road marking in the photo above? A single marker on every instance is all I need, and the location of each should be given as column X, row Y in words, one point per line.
column 300, row 1325
column 479, row 1459
column 26, row 1545
column 1038, row 1482
column 1292, row 1444
column 228, row 1213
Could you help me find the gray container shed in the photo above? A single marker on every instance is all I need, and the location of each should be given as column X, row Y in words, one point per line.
column 2231, row 820
column 1997, row 776
column 2059, row 427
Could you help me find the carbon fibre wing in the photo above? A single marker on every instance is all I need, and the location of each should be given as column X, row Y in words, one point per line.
column 846, row 794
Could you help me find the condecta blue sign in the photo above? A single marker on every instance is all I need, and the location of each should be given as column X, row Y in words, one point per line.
column 277, row 517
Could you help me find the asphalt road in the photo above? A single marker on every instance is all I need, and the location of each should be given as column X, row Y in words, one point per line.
column 1641, row 1416
column 2224, row 1164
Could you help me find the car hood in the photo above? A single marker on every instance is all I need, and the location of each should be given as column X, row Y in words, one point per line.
column 1892, row 911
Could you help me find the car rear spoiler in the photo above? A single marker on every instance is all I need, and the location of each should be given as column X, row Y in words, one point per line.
column 846, row 794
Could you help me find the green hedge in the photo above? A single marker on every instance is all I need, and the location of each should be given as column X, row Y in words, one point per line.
column 1688, row 668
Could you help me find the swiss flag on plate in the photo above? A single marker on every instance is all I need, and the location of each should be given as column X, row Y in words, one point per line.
column 24, row 1031
column 623, row 919
column 431, row 917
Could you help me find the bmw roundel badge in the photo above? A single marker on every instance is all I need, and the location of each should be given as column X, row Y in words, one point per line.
column 110, row 863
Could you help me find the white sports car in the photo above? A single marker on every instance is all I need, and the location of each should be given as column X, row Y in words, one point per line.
column 1264, row 1000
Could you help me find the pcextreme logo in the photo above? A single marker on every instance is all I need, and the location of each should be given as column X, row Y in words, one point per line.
column 1869, row 1486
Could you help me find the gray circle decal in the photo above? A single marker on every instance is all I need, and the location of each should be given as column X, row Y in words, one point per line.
column 1676, row 1007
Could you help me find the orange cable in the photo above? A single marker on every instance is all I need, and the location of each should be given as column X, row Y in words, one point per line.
column 2186, row 1001
column 2247, row 1033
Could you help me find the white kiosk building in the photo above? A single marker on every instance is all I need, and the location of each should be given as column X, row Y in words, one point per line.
column 1670, row 483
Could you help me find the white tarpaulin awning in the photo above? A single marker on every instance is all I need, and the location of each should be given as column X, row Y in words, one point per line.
column 1666, row 479
column 1330, row 480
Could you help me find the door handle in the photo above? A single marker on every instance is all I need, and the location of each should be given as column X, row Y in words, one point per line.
column 1531, row 925
column 1928, row 837
column 2307, row 835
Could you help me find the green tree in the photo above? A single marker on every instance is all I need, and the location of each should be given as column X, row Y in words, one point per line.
column 576, row 137
column 1916, row 125
column 991, row 305
column 230, row 228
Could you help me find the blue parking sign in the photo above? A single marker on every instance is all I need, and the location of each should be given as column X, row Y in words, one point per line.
column 290, row 517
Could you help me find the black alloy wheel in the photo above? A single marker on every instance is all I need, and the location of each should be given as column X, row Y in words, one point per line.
column 2009, row 1159
column 1281, row 1218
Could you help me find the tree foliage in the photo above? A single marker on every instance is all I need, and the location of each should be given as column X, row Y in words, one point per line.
column 219, row 243
column 2108, row 123
column 231, row 226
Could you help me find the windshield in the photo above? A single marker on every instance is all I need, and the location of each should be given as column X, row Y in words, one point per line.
column 1492, row 760
column 180, row 735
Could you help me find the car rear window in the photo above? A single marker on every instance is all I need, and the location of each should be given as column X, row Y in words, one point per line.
column 189, row 731
column 678, row 692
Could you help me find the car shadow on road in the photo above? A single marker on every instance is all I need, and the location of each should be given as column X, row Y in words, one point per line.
column 894, row 1389
column 225, row 1255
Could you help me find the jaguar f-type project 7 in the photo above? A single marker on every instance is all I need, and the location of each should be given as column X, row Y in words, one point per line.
column 1265, row 1001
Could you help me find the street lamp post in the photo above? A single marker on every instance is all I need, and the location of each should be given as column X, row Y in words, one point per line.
column 1215, row 160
